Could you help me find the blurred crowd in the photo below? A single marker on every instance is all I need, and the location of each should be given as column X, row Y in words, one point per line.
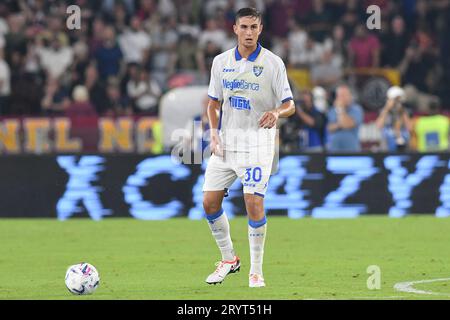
column 127, row 53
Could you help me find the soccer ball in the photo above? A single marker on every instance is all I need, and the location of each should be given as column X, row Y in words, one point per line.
column 82, row 279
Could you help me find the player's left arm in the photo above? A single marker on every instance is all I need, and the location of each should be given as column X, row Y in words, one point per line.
column 270, row 118
column 283, row 93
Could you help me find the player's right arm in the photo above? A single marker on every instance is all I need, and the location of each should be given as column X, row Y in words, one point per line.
column 215, row 93
column 213, row 111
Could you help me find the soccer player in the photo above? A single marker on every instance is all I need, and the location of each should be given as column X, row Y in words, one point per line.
column 249, row 87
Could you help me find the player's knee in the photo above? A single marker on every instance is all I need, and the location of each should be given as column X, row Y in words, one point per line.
column 211, row 206
column 255, row 207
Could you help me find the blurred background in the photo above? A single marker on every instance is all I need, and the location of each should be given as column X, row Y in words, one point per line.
column 96, row 100
column 128, row 56
column 106, row 93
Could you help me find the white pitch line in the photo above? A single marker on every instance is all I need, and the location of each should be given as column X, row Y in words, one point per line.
column 408, row 287
column 359, row 298
column 378, row 297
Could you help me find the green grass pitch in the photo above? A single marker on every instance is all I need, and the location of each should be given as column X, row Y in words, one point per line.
column 157, row 260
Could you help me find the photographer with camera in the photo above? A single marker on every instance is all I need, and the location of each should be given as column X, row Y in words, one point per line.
column 394, row 121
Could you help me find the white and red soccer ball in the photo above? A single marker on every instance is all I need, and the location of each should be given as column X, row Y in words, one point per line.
column 82, row 279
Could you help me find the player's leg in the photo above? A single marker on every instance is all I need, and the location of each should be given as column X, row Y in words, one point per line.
column 217, row 179
column 218, row 223
column 255, row 175
column 257, row 228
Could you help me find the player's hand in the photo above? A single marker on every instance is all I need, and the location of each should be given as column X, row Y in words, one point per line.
column 215, row 144
column 269, row 119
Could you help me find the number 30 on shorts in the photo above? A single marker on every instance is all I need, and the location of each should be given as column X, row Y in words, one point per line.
column 254, row 174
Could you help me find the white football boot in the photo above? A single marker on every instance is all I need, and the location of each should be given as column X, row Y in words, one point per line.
column 223, row 269
column 256, row 281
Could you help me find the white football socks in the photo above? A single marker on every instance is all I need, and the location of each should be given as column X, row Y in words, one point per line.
column 256, row 238
column 220, row 229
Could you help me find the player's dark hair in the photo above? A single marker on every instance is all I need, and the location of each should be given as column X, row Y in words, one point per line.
column 248, row 12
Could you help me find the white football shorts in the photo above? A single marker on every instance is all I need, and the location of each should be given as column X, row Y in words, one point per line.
column 253, row 170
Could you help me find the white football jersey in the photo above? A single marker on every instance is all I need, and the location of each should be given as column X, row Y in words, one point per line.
column 247, row 89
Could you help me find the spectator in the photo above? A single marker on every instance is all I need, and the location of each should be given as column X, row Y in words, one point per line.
column 81, row 59
column 163, row 36
column 4, row 28
column 56, row 98
column 186, row 26
column 431, row 131
column 213, row 34
column 319, row 21
column 109, row 56
column 166, row 8
column 211, row 7
column 422, row 14
column 205, row 58
column 309, row 56
column 344, row 120
column 278, row 13
column 2, row 38
column 55, row 59
column 96, row 38
column 81, row 105
column 144, row 92
column 337, row 43
column 230, row 41
column 163, row 50
column 108, row 6
column 15, row 39
column 313, row 124
column 416, row 70
column 135, row 43
column 186, row 57
column 282, row 48
column 351, row 17
column 328, row 71
column 146, row 9
column 24, row 81
column 116, row 103
column 364, row 49
column 260, row 5
column 320, row 98
column 96, row 89
column 118, row 17
column 395, row 44
column 5, row 85
column 296, row 41
column 56, row 28
column 395, row 123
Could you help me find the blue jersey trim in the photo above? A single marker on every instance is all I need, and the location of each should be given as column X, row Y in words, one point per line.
column 214, row 216
column 257, row 224
column 220, row 119
column 259, row 194
column 213, row 98
column 287, row 99
column 252, row 57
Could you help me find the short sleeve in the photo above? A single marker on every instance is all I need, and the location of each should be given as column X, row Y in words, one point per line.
column 357, row 115
column 280, row 83
column 331, row 116
column 215, row 89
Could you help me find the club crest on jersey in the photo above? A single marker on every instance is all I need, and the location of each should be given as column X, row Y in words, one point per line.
column 257, row 70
